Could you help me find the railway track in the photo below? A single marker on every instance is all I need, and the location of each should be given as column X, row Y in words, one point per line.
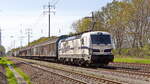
column 134, row 66
column 88, row 79
column 73, row 77
column 123, row 75
column 69, row 80
column 133, row 74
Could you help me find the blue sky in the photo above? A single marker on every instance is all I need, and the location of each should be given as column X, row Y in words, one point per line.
column 16, row 15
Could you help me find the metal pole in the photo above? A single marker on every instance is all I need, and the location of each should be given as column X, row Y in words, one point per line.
column 49, row 6
column 28, row 36
column 93, row 21
column 49, row 18
column 21, row 38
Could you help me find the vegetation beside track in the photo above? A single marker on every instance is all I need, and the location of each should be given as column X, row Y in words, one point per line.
column 143, row 52
column 10, row 75
column 26, row 77
column 132, row 60
column 133, row 55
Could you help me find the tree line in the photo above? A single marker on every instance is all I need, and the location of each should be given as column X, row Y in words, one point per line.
column 127, row 20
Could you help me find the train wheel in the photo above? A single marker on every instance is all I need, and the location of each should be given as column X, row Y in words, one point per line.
column 79, row 63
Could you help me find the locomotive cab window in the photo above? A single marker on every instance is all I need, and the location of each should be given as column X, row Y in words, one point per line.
column 101, row 39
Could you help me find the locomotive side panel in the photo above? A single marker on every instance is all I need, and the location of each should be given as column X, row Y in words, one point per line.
column 70, row 49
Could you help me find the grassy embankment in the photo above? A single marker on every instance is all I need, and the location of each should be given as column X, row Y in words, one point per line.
column 10, row 76
column 132, row 60
column 133, row 55
column 26, row 77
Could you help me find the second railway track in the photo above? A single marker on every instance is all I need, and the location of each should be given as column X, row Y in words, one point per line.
column 135, row 66
column 75, row 77
column 93, row 76
column 142, row 70
column 71, row 76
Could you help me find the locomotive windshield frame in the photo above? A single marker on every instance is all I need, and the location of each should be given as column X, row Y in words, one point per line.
column 100, row 39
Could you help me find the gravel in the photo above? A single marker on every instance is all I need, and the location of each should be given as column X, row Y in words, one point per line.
column 38, row 75
column 3, row 79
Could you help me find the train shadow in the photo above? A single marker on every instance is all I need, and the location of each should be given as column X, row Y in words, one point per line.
column 108, row 67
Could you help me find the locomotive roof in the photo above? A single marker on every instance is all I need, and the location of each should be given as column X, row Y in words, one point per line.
column 96, row 32
column 71, row 38
column 86, row 33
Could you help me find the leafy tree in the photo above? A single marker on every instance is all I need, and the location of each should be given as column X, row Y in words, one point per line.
column 114, row 17
column 127, row 20
column 82, row 25
column 139, row 25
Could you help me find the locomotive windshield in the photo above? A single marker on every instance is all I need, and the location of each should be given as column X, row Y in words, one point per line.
column 101, row 39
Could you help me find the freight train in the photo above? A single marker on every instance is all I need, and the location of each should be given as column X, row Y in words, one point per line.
column 89, row 48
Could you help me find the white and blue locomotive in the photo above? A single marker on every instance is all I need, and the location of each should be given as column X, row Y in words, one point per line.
column 84, row 49
column 87, row 48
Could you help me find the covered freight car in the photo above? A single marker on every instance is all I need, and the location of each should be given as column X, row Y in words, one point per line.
column 45, row 50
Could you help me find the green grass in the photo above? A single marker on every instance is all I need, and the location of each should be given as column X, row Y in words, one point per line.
column 132, row 60
column 140, row 52
column 26, row 77
column 9, row 74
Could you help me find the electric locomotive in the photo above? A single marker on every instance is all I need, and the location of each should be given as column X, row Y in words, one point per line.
column 88, row 48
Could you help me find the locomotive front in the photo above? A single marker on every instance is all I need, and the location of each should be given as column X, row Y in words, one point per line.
column 99, row 47
column 90, row 48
